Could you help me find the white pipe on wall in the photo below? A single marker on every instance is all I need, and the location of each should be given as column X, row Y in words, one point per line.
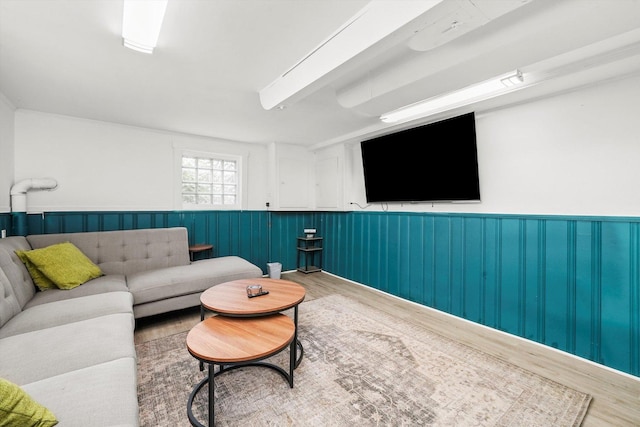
column 20, row 189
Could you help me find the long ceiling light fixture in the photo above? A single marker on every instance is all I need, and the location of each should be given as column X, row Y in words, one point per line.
column 460, row 98
column 141, row 23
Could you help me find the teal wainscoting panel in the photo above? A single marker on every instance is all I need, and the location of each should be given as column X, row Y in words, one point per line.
column 587, row 289
column 375, row 248
column 472, row 271
column 555, row 298
column 218, row 228
column 616, row 293
column 510, row 293
column 359, row 260
column 414, row 272
column 394, row 239
column 442, row 263
column 257, row 223
column 572, row 283
column 426, row 294
column 456, row 267
column 533, row 286
column 491, row 270
column 332, row 226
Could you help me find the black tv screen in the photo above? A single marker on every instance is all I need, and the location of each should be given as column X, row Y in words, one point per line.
column 434, row 162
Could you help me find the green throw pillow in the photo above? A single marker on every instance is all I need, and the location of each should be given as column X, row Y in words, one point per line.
column 64, row 264
column 40, row 280
column 18, row 409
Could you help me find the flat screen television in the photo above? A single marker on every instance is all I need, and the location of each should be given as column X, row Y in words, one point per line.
column 437, row 162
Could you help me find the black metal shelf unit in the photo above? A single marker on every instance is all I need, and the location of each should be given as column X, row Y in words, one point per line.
column 309, row 251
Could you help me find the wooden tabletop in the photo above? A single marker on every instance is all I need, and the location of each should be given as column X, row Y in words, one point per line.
column 221, row 339
column 200, row 247
column 231, row 299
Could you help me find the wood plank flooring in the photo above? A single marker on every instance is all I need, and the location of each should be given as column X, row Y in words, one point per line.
column 616, row 396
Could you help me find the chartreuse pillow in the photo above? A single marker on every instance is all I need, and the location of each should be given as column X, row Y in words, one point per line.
column 18, row 409
column 64, row 264
column 41, row 281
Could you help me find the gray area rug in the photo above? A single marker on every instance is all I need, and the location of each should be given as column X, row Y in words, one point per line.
column 361, row 367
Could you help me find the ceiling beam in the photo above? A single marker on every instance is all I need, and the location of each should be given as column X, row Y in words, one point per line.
column 378, row 26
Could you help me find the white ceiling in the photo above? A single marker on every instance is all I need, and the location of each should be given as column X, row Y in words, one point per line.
column 215, row 56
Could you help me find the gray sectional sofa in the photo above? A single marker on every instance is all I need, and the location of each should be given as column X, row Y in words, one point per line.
column 73, row 350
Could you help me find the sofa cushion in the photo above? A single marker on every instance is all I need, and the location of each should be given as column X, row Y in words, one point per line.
column 99, row 395
column 36, row 355
column 39, row 278
column 67, row 311
column 64, row 264
column 157, row 285
column 18, row 409
column 166, row 305
column 101, row 285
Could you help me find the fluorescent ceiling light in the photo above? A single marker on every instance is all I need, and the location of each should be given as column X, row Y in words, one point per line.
column 141, row 22
column 468, row 95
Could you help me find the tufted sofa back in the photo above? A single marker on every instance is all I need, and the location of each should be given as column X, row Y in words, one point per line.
column 16, row 286
column 126, row 251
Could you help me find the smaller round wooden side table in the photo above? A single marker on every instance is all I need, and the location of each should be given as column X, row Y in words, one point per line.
column 232, row 342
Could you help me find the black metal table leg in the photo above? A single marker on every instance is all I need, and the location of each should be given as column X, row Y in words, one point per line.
column 222, row 368
column 297, row 357
column 212, row 395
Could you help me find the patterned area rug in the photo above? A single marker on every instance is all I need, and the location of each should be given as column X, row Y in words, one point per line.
column 361, row 367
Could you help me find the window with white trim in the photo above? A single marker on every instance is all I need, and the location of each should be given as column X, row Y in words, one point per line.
column 210, row 181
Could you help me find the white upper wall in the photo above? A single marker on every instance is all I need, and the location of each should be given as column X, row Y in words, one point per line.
column 576, row 153
column 6, row 152
column 105, row 166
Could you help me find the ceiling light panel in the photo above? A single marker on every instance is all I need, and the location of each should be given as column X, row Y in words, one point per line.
column 459, row 98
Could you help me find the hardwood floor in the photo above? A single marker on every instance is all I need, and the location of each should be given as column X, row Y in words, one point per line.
column 616, row 396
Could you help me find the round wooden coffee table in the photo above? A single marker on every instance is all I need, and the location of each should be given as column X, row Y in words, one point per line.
column 234, row 343
column 230, row 299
